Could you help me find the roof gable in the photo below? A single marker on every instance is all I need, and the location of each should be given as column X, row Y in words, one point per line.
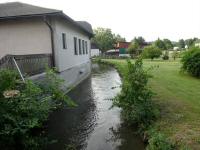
column 17, row 9
column 13, row 9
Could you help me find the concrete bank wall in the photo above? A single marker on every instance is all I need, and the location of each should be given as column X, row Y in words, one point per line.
column 72, row 76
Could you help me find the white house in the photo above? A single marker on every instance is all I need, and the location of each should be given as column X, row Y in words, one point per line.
column 27, row 30
column 176, row 48
column 197, row 43
column 94, row 50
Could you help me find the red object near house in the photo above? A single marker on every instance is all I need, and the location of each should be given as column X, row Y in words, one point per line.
column 122, row 45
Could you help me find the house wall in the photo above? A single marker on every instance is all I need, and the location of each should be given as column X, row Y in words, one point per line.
column 123, row 44
column 95, row 52
column 197, row 44
column 73, row 68
column 65, row 58
column 24, row 36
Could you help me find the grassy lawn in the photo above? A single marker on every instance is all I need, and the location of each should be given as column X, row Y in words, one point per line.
column 178, row 96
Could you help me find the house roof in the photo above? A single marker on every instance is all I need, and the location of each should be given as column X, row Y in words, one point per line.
column 17, row 9
column 13, row 9
column 85, row 25
column 112, row 50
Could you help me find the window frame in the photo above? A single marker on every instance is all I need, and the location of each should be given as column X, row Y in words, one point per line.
column 83, row 46
column 64, row 41
column 86, row 47
column 80, row 46
column 75, row 46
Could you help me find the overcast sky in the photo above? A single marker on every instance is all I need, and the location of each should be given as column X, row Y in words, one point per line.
column 173, row 19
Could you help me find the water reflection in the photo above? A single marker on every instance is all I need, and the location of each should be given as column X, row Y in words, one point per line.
column 93, row 125
column 126, row 137
column 72, row 126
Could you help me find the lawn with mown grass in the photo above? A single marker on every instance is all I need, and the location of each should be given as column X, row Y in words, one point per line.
column 178, row 97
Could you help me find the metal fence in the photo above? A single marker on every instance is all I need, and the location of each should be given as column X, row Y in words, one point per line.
column 28, row 64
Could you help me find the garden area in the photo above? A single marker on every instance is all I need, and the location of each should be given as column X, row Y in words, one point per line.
column 161, row 89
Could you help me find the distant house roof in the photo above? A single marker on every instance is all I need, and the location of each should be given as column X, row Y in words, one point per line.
column 17, row 9
column 123, row 44
column 112, row 50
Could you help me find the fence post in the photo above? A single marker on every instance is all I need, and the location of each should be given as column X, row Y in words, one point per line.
column 18, row 69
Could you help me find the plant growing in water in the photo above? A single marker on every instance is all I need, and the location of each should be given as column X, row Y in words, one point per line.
column 135, row 98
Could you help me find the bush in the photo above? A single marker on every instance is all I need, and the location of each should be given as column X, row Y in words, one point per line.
column 8, row 80
column 159, row 141
column 135, row 98
column 175, row 54
column 166, row 56
column 24, row 107
column 191, row 61
column 151, row 52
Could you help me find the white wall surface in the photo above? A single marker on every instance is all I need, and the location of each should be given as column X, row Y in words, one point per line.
column 27, row 36
column 197, row 44
column 95, row 52
column 65, row 58
column 76, row 74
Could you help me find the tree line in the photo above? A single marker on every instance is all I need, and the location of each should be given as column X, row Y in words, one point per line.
column 105, row 39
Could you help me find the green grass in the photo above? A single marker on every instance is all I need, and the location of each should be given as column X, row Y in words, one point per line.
column 178, row 97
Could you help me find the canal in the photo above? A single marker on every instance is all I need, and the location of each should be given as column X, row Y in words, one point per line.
column 93, row 125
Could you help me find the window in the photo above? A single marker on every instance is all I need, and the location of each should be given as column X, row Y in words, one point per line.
column 64, row 41
column 79, row 43
column 86, row 47
column 75, row 46
column 83, row 45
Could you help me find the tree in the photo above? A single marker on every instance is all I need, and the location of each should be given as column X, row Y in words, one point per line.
column 151, row 52
column 133, row 48
column 175, row 54
column 191, row 61
column 168, row 44
column 118, row 38
column 105, row 39
column 190, row 42
column 140, row 41
column 160, row 44
column 181, row 44
column 166, row 55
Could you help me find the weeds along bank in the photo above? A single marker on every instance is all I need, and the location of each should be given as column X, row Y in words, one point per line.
column 137, row 105
column 24, row 108
column 171, row 116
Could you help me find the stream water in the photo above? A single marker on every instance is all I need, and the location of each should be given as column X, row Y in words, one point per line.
column 93, row 125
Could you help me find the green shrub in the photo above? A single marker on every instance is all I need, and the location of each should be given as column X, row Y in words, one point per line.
column 175, row 54
column 166, row 56
column 98, row 60
column 135, row 98
column 159, row 141
column 24, row 107
column 8, row 80
column 191, row 61
column 151, row 52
